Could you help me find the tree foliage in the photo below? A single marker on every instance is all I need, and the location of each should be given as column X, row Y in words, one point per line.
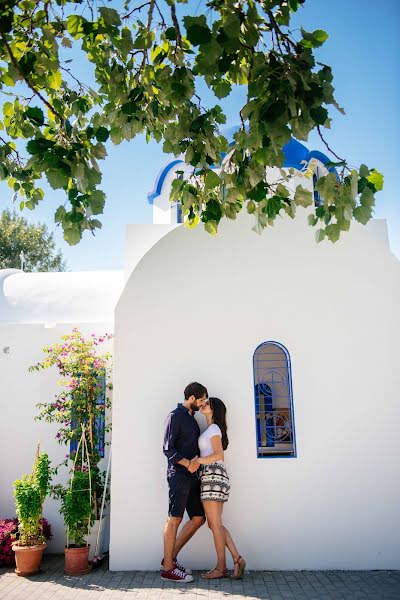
column 147, row 61
column 35, row 241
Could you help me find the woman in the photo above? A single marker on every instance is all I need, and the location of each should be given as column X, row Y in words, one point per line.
column 214, row 487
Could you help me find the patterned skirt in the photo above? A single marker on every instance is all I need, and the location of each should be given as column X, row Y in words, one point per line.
column 214, row 482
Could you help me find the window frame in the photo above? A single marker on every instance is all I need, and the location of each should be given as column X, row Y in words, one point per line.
column 293, row 454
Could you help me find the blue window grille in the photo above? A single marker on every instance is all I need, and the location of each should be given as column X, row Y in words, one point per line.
column 99, row 422
column 179, row 216
column 317, row 195
column 273, row 401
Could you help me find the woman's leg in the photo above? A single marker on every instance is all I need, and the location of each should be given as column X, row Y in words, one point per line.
column 231, row 545
column 237, row 559
column 213, row 512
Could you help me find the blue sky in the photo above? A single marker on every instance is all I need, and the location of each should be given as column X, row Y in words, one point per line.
column 363, row 50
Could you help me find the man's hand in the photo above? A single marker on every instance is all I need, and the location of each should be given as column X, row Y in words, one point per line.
column 194, row 465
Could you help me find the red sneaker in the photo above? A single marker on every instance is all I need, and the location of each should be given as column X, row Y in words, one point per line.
column 178, row 566
column 176, row 575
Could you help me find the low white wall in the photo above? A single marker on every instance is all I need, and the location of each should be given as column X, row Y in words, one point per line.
column 20, row 347
column 195, row 308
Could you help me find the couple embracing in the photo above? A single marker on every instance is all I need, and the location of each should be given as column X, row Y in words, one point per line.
column 198, row 483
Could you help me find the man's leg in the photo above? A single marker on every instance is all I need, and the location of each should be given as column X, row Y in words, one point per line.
column 187, row 531
column 170, row 531
column 195, row 511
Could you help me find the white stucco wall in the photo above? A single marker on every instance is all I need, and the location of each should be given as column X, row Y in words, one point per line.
column 59, row 297
column 195, row 308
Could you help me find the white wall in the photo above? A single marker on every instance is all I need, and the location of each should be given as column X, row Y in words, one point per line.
column 20, row 391
column 195, row 308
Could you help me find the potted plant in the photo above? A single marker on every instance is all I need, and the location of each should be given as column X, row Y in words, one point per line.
column 8, row 535
column 30, row 493
column 77, row 510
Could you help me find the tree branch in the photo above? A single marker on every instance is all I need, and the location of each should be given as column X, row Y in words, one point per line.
column 137, row 8
column 176, row 25
column 327, row 146
column 28, row 83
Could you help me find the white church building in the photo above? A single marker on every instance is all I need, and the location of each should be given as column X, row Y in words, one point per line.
column 299, row 340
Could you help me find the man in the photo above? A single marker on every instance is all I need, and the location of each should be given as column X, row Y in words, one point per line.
column 181, row 448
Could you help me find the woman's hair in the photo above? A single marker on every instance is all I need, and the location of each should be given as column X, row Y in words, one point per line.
column 219, row 418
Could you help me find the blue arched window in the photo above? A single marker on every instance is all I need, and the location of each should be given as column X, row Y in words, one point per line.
column 273, row 401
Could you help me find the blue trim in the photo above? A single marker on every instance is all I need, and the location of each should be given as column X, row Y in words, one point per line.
column 321, row 157
column 151, row 196
column 296, row 156
column 290, row 386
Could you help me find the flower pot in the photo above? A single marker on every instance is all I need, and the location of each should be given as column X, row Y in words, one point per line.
column 76, row 560
column 28, row 559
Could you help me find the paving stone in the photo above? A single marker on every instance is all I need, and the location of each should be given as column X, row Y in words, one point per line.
column 101, row 584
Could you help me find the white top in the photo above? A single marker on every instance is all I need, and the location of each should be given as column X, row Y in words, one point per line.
column 205, row 445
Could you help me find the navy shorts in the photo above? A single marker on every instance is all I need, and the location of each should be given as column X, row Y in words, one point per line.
column 184, row 494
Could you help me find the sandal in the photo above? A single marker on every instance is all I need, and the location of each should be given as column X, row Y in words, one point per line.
column 242, row 565
column 222, row 575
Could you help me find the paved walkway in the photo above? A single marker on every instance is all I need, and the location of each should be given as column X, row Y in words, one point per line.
column 101, row 584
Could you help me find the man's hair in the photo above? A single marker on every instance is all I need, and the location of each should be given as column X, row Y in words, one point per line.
column 195, row 389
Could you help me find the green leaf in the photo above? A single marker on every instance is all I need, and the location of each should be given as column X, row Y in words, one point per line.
column 312, row 220
column 170, row 34
column 76, row 217
column 303, row 197
column 54, row 80
column 282, row 191
column 102, row 134
column 97, row 200
column 221, row 88
column 319, row 115
column 376, row 178
column 75, row 25
column 314, row 39
column 35, row 114
column 8, row 109
column 39, row 145
column 332, row 232
column 211, row 227
column 56, row 179
column 367, row 197
column 197, row 30
column 362, row 214
column 364, row 171
column 110, row 16
column 274, row 205
column 59, row 214
column 72, row 236
column 211, row 180
column 251, row 207
column 319, row 235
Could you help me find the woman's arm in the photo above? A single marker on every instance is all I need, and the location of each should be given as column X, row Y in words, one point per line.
column 218, row 453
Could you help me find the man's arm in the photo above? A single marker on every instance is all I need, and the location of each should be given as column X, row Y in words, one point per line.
column 170, row 436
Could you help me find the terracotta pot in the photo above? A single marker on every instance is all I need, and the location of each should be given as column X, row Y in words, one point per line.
column 77, row 560
column 28, row 559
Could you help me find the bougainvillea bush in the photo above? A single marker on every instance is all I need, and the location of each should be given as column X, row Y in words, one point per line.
column 8, row 533
column 83, row 402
